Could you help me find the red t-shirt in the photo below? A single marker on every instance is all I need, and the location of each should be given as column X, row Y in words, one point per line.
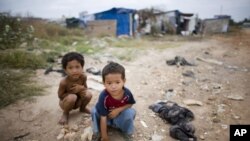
column 106, row 102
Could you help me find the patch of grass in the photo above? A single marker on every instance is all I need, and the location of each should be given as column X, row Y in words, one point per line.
column 145, row 42
column 13, row 32
column 16, row 84
column 21, row 59
column 51, row 56
column 127, row 55
column 129, row 43
column 62, row 44
column 61, row 49
column 44, row 44
column 48, row 30
column 51, row 31
column 164, row 45
column 87, row 49
column 65, row 41
column 70, row 40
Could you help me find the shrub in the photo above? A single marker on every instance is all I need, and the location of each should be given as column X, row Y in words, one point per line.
column 16, row 85
column 13, row 33
column 21, row 59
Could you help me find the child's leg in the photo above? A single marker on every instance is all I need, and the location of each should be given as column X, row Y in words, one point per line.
column 125, row 121
column 95, row 120
column 85, row 99
column 67, row 104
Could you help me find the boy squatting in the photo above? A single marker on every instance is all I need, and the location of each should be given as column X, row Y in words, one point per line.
column 114, row 105
column 72, row 90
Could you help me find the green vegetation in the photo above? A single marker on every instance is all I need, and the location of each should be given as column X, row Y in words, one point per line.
column 16, row 84
column 21, row 60
column 13, row 33
column 51, row 31
column 127, row 54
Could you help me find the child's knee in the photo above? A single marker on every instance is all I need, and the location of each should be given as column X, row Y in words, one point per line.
column 88, row 96
column 93, row 111
column 71, row 98
column 129, row 114
column 68, row 102
column 94, row 114
column 85, row 94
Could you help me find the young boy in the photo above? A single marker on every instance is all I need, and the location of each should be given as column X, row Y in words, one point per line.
column 72, row 90
column 114, row 104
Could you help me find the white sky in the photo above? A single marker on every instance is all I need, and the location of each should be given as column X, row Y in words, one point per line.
column 238, row 9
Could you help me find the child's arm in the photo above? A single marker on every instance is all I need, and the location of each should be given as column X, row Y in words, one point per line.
column 104, row 132
column 85, row 81
column 61, row 90
column 115, row 112
column 76, row 88
column 82, row 86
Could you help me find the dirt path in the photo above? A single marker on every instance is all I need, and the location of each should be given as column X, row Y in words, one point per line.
column 149, row 77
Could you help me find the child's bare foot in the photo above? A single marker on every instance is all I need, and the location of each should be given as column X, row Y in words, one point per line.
column 85, row 110
column 64, row 119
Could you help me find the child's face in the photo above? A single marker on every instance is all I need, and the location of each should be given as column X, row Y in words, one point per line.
column 114, row 84
column 74, row 69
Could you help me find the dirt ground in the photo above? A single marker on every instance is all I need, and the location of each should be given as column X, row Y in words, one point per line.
column 220, row 84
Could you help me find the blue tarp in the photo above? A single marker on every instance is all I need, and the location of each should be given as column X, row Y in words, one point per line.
column 121, row 15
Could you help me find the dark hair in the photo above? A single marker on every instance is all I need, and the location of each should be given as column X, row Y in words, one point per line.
column 112, row 68
column 72, row 56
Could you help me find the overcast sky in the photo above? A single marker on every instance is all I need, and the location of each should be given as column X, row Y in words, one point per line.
column 238, row 9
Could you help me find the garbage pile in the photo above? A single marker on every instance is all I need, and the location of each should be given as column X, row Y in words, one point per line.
column 177, row 116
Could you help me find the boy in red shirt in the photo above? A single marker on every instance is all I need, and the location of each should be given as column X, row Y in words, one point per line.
column 114, row 104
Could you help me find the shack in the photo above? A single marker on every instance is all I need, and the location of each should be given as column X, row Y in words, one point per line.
column 174, row 21
column 218, row 24
column 122, row 22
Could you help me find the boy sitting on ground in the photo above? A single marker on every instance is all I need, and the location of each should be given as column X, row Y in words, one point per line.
column 114, row 105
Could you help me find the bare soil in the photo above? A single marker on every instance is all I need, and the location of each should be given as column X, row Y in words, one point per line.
column 149, row 77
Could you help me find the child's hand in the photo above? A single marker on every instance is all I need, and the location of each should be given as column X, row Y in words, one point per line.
column 77, row 88
column 113, row 113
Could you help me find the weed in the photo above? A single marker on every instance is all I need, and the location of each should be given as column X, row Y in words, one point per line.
column 13, row 32
column 16, row 84
column 21, row 59
column 87, row 49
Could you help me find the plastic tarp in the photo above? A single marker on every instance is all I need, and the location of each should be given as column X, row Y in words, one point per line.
column 122, row 16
